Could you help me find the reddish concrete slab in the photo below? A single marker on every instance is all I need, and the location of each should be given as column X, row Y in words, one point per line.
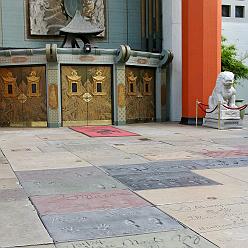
column 103, row 131
column 227, row 153
column 80, row 202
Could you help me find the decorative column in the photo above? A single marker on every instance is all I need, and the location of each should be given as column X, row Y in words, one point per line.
column 123, row 55
column 120, row 94
column 201, row 32
column 53, row 88
column 158, row 94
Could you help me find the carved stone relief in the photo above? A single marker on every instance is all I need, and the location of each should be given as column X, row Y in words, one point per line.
column 121, row 96
column 53, row 96
column 47, row 17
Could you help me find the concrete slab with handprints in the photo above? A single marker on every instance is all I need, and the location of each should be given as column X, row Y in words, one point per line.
column 108, row 223
column 52, row 182
column 176, row 165
column 143, row 181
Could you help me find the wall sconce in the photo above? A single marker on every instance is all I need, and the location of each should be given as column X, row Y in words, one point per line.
column 87, row 48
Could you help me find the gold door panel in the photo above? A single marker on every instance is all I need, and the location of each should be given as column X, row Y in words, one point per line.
column 140, row 94
column 86, row 95
column 23, row 96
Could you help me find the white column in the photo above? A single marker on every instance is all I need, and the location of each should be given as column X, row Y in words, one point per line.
column 1, row 25
column 172, row 40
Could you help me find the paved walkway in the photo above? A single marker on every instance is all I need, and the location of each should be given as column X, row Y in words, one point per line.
column 173, row 186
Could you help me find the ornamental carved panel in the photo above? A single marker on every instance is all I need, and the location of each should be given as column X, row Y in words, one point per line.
column 53, row 96
column 47, row 17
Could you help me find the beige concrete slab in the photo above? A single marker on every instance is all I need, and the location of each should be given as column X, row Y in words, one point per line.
column 6, row 172
column 20, row 225
column 211, row 215
column 231, row 188
column 144, row 148
column 39, row 246
column 47, row 161
column 69, row 136
column 15, row 142
column 182, row 155
column 190, row 194
column 9, row 183
column 226, row 179
column 237, row 173
column 40, row 156
column 22, row 150
column 118, row 160
column 111, row 158
column 229, row 238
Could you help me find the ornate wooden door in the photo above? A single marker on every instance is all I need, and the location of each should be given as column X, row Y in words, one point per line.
column 86, row 95
column 140, row 94
column 23, row 96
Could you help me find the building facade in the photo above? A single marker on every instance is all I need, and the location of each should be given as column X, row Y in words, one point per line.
column 127, row 75
column 234, row 29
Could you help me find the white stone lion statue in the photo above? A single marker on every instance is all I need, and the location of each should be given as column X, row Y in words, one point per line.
column 223, row 91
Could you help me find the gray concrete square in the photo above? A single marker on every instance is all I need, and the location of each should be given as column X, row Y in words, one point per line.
column 72, row 174
column 88, row 147
column 51, row 148
column 108, row 223
column 52, row 187
column 151, row 167
column 7, row 195
column 145, row 181
column 176, row 166
column 52, row 182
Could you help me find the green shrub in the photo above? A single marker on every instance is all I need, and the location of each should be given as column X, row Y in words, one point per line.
column 231, row 62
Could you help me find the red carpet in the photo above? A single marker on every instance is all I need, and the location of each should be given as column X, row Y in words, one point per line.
column 103, row 131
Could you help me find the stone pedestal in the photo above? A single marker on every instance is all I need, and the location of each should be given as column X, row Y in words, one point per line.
column 229, row 119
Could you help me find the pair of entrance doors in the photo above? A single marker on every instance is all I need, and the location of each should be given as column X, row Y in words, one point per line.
column 87, row 95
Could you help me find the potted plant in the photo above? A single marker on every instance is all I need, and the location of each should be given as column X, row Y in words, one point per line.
column 231, row 62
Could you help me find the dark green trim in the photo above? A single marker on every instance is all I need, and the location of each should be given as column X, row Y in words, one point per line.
column 191, row 121
column 119, row 123
column 53, row 125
